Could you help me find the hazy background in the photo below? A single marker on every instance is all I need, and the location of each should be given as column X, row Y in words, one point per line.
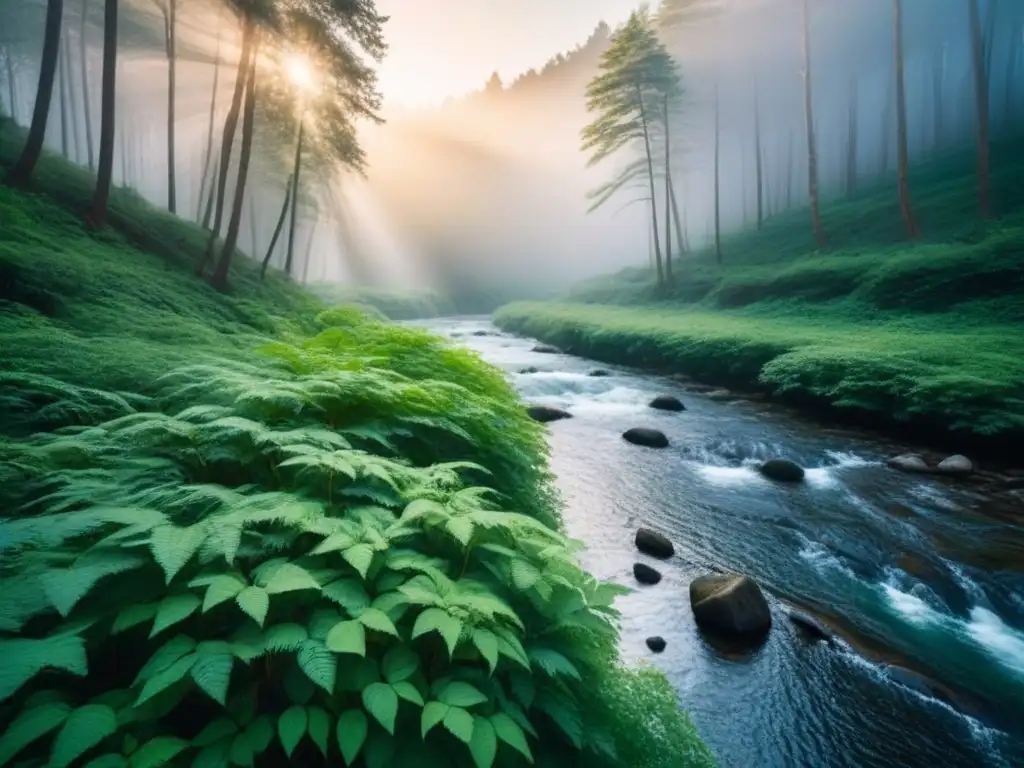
column 477, row 184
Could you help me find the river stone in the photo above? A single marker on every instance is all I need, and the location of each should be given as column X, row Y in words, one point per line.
column 783, row 470
column 645, row 574
column 656, row 644
column 909, row 462
column 667, row 403
column 530, row 369
column 654, row 544
column 547, row 413
column 546, row 349
column 651, row 438
column 955, row 465
column 730, row 605
column 599, row 373
column 484, row 333
column 720, row 394
column 810, row 625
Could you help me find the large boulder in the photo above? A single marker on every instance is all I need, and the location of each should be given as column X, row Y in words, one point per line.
column 810, row 625
column 783, row 470
column 654, row 544
column 730, row 606
column 547, row 413
column 656, row 644
column 546, row 349
column 955, row 465
column 667, row 403
column 645, row 574
column 651, row 438
column 909, row 462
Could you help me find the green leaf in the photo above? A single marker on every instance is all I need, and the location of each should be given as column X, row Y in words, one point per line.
column 284, row 637
column 297, row 685
column 291, row 727
column 164, row 679
column 461, row 529
column 215, row 731
column 259, row 733
column 173, row 610
column 399, row 664
column 214, row 756
column 84, row 728
column 347, row 637
column 409, row 692
column 66, row 586
column 319, row 664
column 553, row 663
column 221, row 589
column 212, row 673
column 351, row 730
column 433, row 713
column 107, row 761
column 524, row 574
column 132, row 616
column 349, row 594
column 436, row 620
column 374, row 619
column 460, row 723
column 255, row 602
column 381, row 701
column 241, row 752
column 30, row 725
column 173, row 546
column 319, row 727
column 508, row 731
column 334, row 543
column 359, row 557
column 460, row 694
column 22, row 659
column 157, row 752
column 290, row 578
column 487, row 643
column 484, row 744
column 169, row 652
column 565, row 715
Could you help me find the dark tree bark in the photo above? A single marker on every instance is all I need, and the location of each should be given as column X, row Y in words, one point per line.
column 22, row 169
column 65, row 128
column 718, row 196
column 76, row 134
column 650, row 179
column 170, row 31
column 208, row 154
column 210, row 200
column 668, row 197
column 758, row 160
column 219, row 279
column 12, row 89
column 252, row 226
column 903, row 162
column 812, row 152
column 83, row 52
column 981, row 108
column 97, row 216
column 680, row 229
column 230, row 125
column 277, row 229
column 296, row 175
column 851, row 142
column 309, row 251
column 887, row 127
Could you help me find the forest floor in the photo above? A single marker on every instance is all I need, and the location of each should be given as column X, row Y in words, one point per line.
column 924, row 335
column 144, row 416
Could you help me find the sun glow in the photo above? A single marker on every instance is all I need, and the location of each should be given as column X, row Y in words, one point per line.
column 296, row 66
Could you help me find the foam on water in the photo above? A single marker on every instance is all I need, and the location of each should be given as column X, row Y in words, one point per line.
column 1001, row 641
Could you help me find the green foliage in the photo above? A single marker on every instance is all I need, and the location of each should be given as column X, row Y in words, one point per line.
column 394, row 305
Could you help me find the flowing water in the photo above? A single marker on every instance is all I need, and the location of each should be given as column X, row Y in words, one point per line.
column 906, row 569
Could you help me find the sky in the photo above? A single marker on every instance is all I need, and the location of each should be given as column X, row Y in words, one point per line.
column 441, row 48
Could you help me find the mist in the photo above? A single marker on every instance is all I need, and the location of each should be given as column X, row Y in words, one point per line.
column 490, row 188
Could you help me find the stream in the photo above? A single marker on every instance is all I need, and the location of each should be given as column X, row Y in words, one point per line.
column 905, row 570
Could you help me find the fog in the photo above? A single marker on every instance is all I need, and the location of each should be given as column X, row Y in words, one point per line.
column 490, row 188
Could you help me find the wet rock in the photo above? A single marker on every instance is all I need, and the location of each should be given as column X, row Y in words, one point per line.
column 599, row 373
column 731, row 606
column 810, row 625
column 720, row 395
column 667, row 403
column 645, row 574
column 654, row 544
column 546, row 349
column 909, row 462
column 782, row 470
column 656, row 644
column 546, row 413
column 530, row 369
column 955, row 465
column 483, row 333
column 651, row 438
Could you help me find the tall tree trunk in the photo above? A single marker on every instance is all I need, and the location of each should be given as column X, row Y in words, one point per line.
column 97, row 216
column 253, row 239
column 123, row 146
column 22, row 169
column 83, row 52
column 812, row 153
column 65, row 129
column 938, row 89
column 789, row 173
column 909, row 222
column 12, row 88
column 718, row 196
column 668, row 197
column 210, row 199
column 1011, row 84
column 208, row 154
column 309, row 251
column 650, row 179
column 230, row 125
column 887, row 127
column 296, row 175
column 981, row 109
column 680, row 229
column 171, row 30
column 851, row 142
column 277, row 229
column 76, row 137
column 219, row 279
column 758, row 161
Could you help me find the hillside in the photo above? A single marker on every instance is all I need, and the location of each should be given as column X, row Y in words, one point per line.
column 923, row 334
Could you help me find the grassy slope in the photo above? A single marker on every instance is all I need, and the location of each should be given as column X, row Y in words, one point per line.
column 394, row 305
column 89, row 323
column 926, row 333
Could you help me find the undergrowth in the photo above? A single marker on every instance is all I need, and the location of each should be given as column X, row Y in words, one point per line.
column 394, row 305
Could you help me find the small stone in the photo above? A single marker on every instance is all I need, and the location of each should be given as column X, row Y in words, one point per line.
column 955, row 465
column 546, row 349
column 645, row 574
column 656, row 644
column 546, row 413
column 667, row 403
column 654, row 544
column 650, row 438
column 599, row 373
column 909, row 462
column 782, row 470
